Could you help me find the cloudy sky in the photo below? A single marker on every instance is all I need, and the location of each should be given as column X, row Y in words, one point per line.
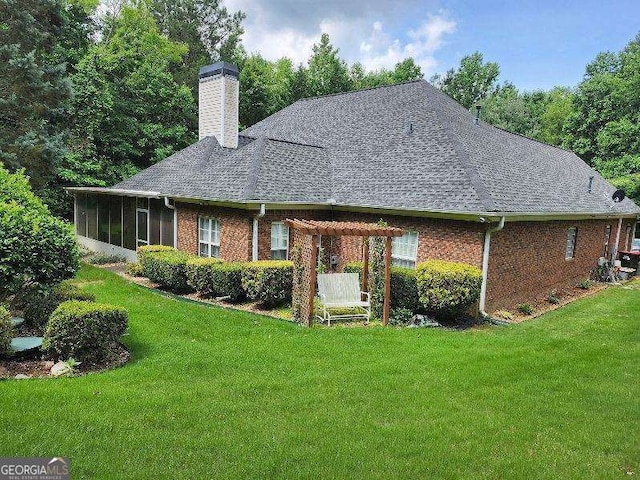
column 537, row 44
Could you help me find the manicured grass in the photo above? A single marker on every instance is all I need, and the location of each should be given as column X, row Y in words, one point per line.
column 215, row 393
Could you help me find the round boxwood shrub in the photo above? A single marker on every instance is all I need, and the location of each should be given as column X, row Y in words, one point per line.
column 447, row 288
column 166, row 267
column 404, row 288
column 38, row 305
column 268, row 282
column 84, row 330
column 6, row 331
column 213, row 277
column 37, row 249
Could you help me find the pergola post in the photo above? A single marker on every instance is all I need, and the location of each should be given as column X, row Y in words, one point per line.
column 312, row 277
column 387, row 281
column 365, row 264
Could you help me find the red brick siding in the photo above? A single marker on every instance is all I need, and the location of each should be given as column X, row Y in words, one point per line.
column 264, row 227
column 527, row 259
column 235, row 230
column 440, row 239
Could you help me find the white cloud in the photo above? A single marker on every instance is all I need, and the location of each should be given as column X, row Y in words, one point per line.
column 378, row 33
column 381, row 51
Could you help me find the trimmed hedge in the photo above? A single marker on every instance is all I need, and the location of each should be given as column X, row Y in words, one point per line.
column 6, row 331
column 268, row 282
column 447, row 288
column 404, row 288
column 165, row 266
column 84, row 330
column 212, row 277
column 38, row 306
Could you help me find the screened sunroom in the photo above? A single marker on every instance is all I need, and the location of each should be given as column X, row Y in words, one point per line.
column 118, row 224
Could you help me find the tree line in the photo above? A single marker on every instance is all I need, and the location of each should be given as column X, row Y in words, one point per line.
column 91, row 95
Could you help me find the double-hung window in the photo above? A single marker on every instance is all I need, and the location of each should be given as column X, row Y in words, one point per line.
column 208, row 237
column 571, row 243
column 404, row 250
column 279, row 241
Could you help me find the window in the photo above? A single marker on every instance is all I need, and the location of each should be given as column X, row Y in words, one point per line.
column 279, row 241
column 142, row 222
column 208, row 237
column 404, row 250
column 607, row 238
column 571, row 243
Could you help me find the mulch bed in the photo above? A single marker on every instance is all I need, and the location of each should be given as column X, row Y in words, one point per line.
column 40, row 365
column 542, row 305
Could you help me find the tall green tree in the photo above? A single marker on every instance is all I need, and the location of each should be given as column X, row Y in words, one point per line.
column 129, row 110
column 471, row 82
column 210, row 31
column 605, row 126
column 33, row 88
column 327, row 72
column 265, row 88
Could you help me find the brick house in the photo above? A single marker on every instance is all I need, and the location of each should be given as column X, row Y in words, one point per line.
column 532, row 216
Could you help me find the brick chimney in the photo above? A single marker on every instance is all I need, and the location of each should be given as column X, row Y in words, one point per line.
column 218, row 94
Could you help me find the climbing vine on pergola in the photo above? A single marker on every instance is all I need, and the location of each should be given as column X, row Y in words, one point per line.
column 306, row 234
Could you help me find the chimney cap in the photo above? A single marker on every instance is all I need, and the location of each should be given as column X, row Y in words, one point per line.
column 217, row 68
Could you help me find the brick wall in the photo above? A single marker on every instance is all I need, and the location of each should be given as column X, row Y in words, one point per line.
column 264, row 227
column 440, row 239
column 527, row 259
column 235, row 230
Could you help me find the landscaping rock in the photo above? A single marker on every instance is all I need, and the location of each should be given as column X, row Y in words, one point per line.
column 4, row 373
column 47, row 364
column 22, row 376
column 60, row 369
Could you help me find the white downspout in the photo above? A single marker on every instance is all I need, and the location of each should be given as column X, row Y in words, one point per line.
column 485, row 264
column 175, row 221
column 254, row 239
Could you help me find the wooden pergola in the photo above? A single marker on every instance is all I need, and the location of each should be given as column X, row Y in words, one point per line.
column 313, row 229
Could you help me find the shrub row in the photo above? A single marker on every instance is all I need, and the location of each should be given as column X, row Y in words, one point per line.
column 38, row 306
column 448, row 288
column 165, row 266
column 438, row 287
column 212, row 277
column 267, row 282
column 84, row 331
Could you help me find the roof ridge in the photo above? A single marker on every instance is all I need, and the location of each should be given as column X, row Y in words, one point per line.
column 315, row 97
column 256, row 160
column 292, row 142
column 470, row 169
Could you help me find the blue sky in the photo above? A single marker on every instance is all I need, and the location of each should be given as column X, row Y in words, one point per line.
column 537, row 44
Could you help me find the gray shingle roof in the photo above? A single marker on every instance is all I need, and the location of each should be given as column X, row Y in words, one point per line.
column 406, row 146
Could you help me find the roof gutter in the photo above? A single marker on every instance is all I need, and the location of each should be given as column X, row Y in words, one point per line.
column 254, row 239
column 485, row 264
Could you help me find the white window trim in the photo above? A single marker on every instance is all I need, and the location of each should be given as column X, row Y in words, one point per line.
column 286, row 250
column 575, row 242
column 209, row 243
column 405, row 258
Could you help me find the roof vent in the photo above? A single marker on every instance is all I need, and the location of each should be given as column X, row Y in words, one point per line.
column 410, row 128
column 477, row 119
column 591, row 177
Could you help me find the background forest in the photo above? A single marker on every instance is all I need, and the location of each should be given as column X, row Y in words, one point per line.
column 90, row 92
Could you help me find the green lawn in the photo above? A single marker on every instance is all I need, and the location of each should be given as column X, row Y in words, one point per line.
column 215, row 393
